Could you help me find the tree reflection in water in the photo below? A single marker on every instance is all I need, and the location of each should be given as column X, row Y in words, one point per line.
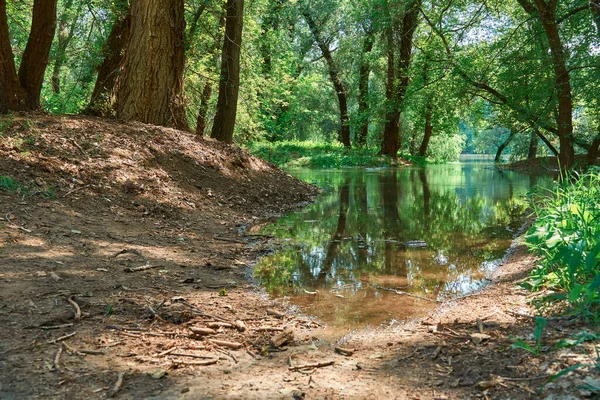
column 356, row 238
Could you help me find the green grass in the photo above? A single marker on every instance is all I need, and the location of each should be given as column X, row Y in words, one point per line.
column 566, row 235
column 318, row 155
column 11, row 185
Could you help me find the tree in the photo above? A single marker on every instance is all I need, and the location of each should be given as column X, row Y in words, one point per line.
column 113, row 51
column 324, row 45
column 149, row 88
column 224, row 123
column 65, row 34
column 545, row 12
column 22, row 91
column 400, row 32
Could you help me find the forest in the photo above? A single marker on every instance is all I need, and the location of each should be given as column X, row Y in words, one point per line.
column 417, row 78
column 299, row 199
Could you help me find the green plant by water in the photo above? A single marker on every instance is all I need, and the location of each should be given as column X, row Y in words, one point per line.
column 566, row 235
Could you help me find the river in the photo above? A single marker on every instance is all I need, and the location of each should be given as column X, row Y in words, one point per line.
column 436, row 233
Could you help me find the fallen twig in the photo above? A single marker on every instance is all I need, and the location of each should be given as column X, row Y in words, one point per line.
column 315, row 365
column 47, row 328
column 207, row 362
column 91, row 352
column 61, row 338
column 167, row 352
column 275, row 313
column 191, row 355
column 228, row 353
column 118, row 385
column 142, row 268
column 232, row 345
column 71, row 300
column 57, row 359
column 344, row 352
column 202, row 331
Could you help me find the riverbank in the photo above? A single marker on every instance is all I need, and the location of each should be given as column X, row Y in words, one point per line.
column 117, row 239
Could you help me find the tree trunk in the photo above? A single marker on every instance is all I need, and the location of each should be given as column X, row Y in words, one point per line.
column 533, row 144
column 391, row 131
column 428, row 130
column 22, row 91
column 334, row 74
column 363, row 88
column 12, row 95
column 149, row 88
column 504, row 145
column 113, row 51
column 201, row 121
column 547, row 143
column 595, row 9
column 65, row 34
column 391, row 136
column 592, row 154
column 224, row 122
column 546, row 13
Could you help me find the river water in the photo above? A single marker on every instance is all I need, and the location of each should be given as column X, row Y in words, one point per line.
column 435, row 232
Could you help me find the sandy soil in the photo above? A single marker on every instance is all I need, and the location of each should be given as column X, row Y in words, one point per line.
column 121, row 238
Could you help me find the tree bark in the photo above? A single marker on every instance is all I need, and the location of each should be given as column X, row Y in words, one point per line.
column 224, row 122
column 592, row 154
column 12, row 95
column 363, row 88
column 65, row 34
column 391, row 135
column 546, row 13
column 22, row 91
column 334, row 74
column 504, row 145
column 35, row 57
column 391, row 130
column 149, row 88
column 428, row 130
column 100, row 103
column 201, row 120
column 533, row 144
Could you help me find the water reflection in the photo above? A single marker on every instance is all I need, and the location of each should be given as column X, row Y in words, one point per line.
column 434, row 232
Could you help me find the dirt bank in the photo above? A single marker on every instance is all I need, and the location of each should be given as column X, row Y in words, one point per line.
column 117, row 239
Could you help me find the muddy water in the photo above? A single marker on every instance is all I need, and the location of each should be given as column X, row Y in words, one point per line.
column 436, row 233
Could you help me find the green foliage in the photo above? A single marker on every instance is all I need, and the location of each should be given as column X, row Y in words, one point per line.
column 540, row 324
column 567, row 236
column 317, row 155
column 10, row 184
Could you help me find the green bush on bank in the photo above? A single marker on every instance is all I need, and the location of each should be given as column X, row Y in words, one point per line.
column 318, row 155
column 566, row 235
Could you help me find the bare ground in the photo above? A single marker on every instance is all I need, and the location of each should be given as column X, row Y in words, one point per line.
column 184, row 209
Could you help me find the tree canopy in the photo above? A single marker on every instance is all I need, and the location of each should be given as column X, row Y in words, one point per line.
column 410, row 76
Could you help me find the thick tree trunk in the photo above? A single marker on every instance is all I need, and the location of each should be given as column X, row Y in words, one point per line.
column 22, row 91
column 504, row 145
column 224, row 122
column 12, row 95
column 363, row 88
column 65, row 34
column 428, row 130
column 35, row 57
column 334, row 74
column 391, row 135
column 113, row 51
column 149, row 88
column 533, row 144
